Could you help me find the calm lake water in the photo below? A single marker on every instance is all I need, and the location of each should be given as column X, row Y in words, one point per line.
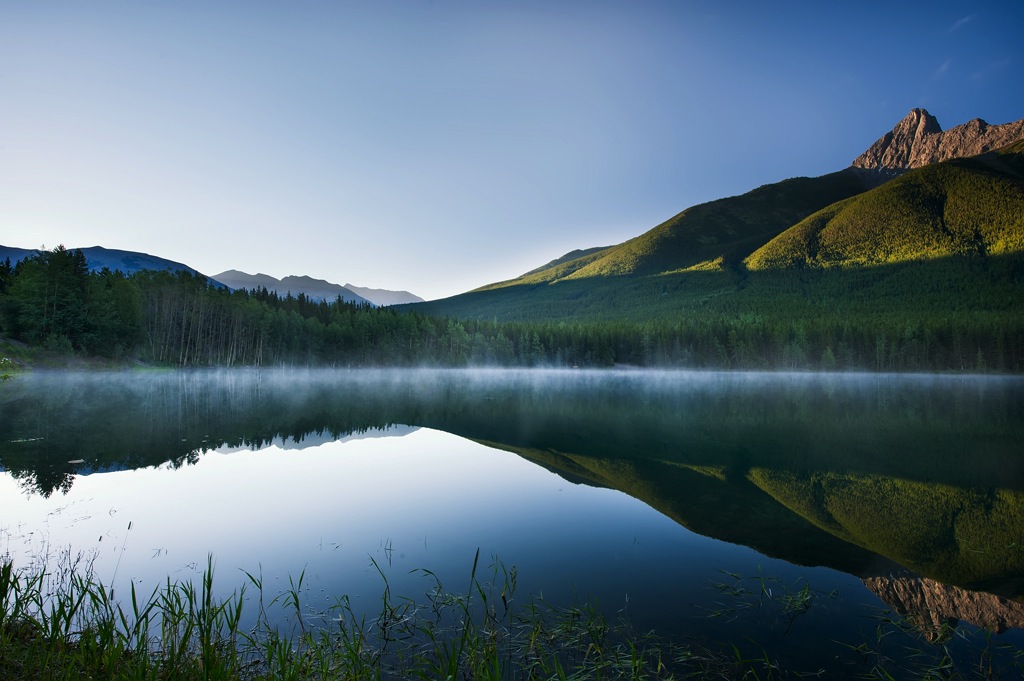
column 690, row 504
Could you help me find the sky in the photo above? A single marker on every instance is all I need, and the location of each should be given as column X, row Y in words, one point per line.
column 436, row 146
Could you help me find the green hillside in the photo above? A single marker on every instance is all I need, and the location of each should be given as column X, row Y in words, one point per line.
column 921, row 273
column 971, row 206
column 722, row 231
column 802, row 244
column 577, row 254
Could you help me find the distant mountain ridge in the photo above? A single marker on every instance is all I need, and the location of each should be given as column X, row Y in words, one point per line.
column 380, row 296
column 317, row 289
column 130, row 262
column 113, row 259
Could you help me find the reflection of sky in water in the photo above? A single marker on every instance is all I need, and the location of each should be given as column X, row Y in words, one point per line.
column 409, row 499
column 425, row 500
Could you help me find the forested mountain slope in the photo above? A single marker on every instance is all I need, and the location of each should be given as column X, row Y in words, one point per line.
column 724, row 232
column 892, row 207
column 962, row 207
column 710, row 234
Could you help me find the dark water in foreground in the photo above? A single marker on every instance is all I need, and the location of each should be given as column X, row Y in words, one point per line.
column 697, row 505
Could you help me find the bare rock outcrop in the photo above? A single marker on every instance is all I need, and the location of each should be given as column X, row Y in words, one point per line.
column 918, row 140
column 935, row 608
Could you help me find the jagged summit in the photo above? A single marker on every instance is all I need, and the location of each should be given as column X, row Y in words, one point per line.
column 918, row 140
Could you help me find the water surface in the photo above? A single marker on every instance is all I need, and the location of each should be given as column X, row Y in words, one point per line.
column 652, row 494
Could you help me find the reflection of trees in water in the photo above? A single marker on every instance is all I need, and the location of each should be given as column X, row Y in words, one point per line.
column 117, row 422
column 764, row 461
column 44, row 480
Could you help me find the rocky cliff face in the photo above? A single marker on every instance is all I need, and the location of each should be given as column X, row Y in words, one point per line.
column 930, row 605
column 918, row 141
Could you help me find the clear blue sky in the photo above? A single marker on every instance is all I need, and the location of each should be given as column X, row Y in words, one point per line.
column 438, row 146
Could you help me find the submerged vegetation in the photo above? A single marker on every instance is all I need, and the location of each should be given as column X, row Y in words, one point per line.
column 64, row 624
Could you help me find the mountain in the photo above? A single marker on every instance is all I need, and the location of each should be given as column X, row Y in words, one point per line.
column 918, row 140
column 113, row 259
column 715, row 234
column 317, row 289
column 568, row 257
column 130, row 262
column 724, row 232
column 379, row 296
column 241, row 280
column 972, row 206
column 894, row 204
column 15, row 254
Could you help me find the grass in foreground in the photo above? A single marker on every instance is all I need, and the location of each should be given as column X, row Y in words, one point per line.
column 62, row 624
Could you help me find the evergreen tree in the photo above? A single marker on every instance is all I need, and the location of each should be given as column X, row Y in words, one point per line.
column 46, row 301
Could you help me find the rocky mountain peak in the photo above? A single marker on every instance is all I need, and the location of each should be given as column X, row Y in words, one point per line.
column 917, row 124
column 918, row 140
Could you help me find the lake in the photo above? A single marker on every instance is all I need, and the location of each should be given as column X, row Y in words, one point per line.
column 695, row 505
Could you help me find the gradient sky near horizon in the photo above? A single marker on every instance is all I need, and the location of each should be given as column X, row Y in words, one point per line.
column 437, row 146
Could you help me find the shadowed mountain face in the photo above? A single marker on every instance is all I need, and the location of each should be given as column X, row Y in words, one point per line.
column 112, row 259
column 866, row 474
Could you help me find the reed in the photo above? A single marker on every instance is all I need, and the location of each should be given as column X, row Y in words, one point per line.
column 63, row 624
column 7, row 369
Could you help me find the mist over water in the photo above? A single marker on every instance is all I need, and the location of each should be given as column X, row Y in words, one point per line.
column 632, row 488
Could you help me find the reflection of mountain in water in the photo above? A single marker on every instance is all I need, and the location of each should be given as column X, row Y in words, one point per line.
column 863, row 473
column 963, row 536
column 323, row 437
column 717, row 504
column 967, row 536
column 936, row 608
